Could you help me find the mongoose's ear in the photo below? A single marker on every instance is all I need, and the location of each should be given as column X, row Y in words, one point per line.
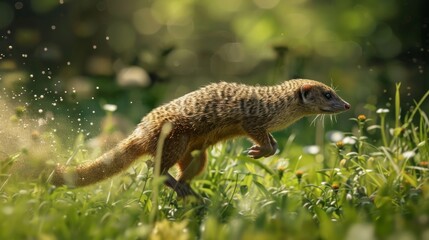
column 305, row 91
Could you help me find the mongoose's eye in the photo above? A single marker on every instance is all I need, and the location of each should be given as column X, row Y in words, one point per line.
column 328, row 96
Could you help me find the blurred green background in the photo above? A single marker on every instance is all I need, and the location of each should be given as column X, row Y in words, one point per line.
column 69, row 58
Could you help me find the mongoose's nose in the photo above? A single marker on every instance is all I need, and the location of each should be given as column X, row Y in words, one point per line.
column 347, row 106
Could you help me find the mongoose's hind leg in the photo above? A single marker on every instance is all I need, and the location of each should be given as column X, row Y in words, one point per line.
column 182, row 189
column 265, row 145
column 174, row 150
column 192, row 164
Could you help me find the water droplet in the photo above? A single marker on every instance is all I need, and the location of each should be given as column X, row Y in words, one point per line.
column 53, row 27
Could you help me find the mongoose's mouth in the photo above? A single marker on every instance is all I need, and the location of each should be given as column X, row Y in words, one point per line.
column 336, row 109
column 330, row 111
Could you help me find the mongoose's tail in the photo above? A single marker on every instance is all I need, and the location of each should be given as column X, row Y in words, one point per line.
column 110, row 163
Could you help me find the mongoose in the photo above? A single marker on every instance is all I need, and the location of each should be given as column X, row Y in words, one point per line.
column 204, row 117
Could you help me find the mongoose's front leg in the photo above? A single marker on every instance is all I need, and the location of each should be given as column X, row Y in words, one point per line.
column 265, row 146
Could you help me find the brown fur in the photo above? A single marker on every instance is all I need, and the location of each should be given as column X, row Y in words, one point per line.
column 204, row 117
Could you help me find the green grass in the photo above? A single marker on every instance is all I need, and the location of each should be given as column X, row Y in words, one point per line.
column 372, row 185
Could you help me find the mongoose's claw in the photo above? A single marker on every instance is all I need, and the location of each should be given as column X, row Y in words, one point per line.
column 257, row 152
column 254, row 152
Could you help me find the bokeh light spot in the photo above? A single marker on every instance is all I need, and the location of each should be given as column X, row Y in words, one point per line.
column 146, row 22
column 121, row 36
column 232, row 52
column 181, row 27
column 182, row 61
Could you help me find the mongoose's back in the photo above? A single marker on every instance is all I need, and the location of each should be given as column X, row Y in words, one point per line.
column 222, row 104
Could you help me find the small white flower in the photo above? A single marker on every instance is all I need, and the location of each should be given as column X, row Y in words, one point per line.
column 334, row 136
column 110, row 107
column 382, row 110
column 349, row 197
column 312, row 149
column 349, row 140
column 408, row 154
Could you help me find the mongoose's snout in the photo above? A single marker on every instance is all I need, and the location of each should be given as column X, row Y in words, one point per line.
column 342, row 105
column 346, row 106
column 339, row 106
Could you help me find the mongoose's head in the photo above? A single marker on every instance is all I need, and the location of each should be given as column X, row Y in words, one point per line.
column 318, row 98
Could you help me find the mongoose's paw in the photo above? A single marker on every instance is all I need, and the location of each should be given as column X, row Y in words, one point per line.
column 184, row 190
column 257, row 151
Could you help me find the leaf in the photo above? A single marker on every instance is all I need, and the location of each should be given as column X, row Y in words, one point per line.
column 262, row 188
column 258, row 163
column 327, row 227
